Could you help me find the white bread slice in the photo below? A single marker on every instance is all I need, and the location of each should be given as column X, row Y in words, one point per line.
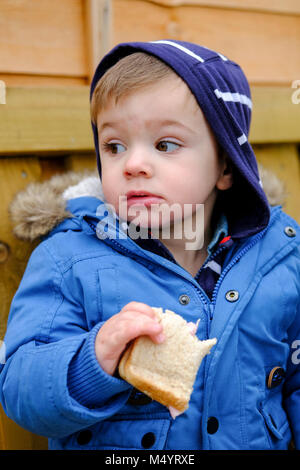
column 167, row 371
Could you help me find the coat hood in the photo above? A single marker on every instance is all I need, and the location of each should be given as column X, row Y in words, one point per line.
column 42, row 207
column 223, row 94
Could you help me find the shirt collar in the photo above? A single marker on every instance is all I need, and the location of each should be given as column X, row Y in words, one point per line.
column 220, row 232
column 158, row 247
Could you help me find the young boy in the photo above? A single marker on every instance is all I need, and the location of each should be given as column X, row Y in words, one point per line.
column 170, row 122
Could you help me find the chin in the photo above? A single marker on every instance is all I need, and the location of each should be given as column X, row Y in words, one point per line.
column 154, row 227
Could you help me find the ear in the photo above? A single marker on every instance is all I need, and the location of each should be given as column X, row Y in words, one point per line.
column 225, row 180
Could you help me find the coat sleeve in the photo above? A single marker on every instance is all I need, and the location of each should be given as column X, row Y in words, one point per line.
column 51, row 382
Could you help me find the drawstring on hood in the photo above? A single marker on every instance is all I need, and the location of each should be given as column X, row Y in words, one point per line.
column 223, row 94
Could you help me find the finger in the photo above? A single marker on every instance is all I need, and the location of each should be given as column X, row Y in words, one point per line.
column 158, row 339
column 141, row 326
column 153, row 330
column 139, row 307
column 112, row 344
column 129, row 326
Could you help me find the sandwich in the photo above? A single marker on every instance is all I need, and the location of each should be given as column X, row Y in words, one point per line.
column 166, row 372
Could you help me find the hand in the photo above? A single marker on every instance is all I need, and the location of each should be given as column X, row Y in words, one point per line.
column 135, row 319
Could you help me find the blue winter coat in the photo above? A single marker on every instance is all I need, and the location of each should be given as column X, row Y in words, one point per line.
column 74, row 282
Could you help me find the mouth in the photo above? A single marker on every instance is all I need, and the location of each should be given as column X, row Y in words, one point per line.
column 143, row 198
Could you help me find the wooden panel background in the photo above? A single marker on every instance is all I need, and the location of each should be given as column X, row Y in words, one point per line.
column 49, row 49
column 263, row 41
column 42, row 38
column 52, row 42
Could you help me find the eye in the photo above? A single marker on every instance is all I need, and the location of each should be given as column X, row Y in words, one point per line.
column 166, row 146
column 113, row 147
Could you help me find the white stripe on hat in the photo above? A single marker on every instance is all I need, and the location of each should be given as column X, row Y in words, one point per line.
column 222, row 56
column 214, row 266
column 181, row 48
column 235, row 97
column 242, row 139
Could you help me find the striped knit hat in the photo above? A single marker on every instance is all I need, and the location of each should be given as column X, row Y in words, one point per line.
column 223, row 94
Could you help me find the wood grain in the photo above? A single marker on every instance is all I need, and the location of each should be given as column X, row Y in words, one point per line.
column 45, row 119
column 283, row 161
column 56, row 120
column 265, row 45
column 13, row 437
column 15, row 174
column 273, row 6
column 43, row 36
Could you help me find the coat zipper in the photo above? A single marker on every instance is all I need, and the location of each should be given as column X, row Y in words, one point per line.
column 232, row 263
column 238, row 257
column 205, row 300
column 202, row 294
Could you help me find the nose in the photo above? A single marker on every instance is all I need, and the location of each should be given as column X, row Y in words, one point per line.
column 138, row 163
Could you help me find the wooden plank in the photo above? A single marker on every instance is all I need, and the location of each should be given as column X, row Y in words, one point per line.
column 15, row 174
column 275, row 116
column 274, row 6
column 23, row 79
column 56, row 120
column 44, row 37
column 265, row 45
column 98, row 31
column 45, row 119
column 81, row 162
column 283, row 161
column 2, row 433
column 16, row 438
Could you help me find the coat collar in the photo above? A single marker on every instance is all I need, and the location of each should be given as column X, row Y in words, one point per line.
column 42, row 206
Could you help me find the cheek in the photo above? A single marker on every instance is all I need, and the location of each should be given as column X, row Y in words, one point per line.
column 109, row 189
column 195, row 187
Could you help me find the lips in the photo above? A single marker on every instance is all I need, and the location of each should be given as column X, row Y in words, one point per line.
column 143, row 198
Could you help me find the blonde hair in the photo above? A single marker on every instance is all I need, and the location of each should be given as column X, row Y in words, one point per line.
column 133, row 72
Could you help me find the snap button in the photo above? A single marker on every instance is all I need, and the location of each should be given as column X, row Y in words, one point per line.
column 290, row 231
column 84, row 437
column 148, row 440
column 138, row 398
column 232, row 295
column 275, row 377
column 212, row 425
column 184, row 299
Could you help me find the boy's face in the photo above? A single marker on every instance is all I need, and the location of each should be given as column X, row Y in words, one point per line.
column 156, row 140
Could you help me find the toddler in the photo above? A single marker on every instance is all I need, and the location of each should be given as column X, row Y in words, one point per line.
column 182, row 223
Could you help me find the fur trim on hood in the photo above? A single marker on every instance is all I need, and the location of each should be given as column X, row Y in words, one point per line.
column 40, row 207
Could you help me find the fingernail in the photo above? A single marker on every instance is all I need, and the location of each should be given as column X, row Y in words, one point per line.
column 160, row 338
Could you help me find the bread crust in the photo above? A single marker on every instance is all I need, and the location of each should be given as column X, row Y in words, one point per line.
column 139, row 364
column 166, row 397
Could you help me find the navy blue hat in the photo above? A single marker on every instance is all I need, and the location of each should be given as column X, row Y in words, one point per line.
column 223, row 94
